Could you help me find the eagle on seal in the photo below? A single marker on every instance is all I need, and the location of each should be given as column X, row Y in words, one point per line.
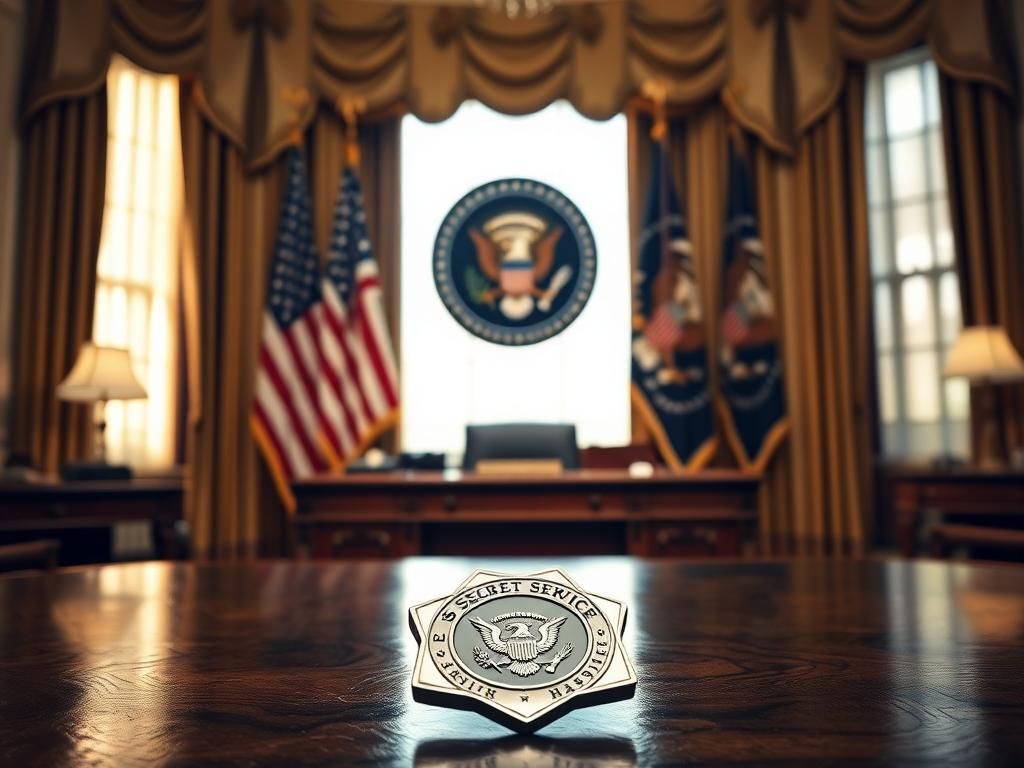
column 516, row 250
column 521, row 646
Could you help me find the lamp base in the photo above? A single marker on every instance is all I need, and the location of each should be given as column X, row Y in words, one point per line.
column 94, row 470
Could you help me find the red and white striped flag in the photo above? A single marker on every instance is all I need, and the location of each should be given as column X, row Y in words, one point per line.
column 285, row 419
column 359, row 386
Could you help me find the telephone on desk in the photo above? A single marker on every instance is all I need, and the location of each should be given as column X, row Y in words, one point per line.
column 376, row 460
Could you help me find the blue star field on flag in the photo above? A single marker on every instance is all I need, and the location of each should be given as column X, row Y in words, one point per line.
column 350, row 242
column 295, row 272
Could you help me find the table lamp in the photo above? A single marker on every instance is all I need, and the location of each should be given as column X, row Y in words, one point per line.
column 984, row 355
column 99, row 374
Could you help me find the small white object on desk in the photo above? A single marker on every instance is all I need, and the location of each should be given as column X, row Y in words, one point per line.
column 641, row 469
column 375, row 458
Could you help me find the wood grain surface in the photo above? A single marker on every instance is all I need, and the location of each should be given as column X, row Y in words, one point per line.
column 308, row 664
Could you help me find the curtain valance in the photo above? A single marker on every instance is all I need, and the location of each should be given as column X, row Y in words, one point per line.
column 777, row 64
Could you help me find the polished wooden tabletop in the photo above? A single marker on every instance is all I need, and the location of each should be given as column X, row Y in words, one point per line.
column 308, row 664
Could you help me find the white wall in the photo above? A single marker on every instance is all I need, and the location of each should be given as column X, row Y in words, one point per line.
column 11, row 40
column 450, row 378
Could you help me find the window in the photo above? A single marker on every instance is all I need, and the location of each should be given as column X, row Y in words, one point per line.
column 450, row 377
column 916, row 296
column 138, row 261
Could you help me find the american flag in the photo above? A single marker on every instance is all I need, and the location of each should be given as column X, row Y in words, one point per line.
column 359, row 386
column 285, row 417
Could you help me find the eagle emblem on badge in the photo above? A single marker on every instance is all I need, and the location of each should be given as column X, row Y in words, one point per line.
column 521, row 647
column 521, row 650
column 514, row 261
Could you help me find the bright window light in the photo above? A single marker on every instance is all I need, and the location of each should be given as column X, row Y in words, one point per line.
column 450, row 378
column 916, row 291
column 137, row 273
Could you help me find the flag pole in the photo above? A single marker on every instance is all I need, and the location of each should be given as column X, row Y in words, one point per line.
column 657, row 92
column 349, row 107
column 297, row 98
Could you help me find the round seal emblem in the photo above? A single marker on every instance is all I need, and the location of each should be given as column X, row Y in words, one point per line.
column 514, row 262
column 521, row 650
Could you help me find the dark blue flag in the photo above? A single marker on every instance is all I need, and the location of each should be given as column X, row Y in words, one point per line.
column 750, row 366
column 669, row 348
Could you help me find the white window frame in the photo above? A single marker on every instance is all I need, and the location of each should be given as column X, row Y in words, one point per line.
column 900, row 448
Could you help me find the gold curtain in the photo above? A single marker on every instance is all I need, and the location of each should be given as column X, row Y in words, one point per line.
column 813, row 220
column 814, row 226
column 62, row 212
column 778, row 65
column 982, row 167
column 233, row 213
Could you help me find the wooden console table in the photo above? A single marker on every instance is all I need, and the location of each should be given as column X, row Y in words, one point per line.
column 964, row 495
column 713, row 513
column 49, row 507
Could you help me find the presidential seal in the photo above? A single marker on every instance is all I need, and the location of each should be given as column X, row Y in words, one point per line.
column 521, row 650
column 514, row 262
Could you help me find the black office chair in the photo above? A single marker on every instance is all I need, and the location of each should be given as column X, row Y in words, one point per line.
column 521, row 441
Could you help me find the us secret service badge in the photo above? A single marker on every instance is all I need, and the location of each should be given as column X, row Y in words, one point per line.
column 514, row 261
column 521, row 650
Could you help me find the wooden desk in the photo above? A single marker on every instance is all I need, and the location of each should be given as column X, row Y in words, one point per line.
column 576, row 512
column 805, row 663
column 959, row 494
column 48, row 507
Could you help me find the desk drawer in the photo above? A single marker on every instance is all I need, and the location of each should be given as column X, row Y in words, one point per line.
column 1001, row 499
column 469, row 505
column 533, row 505
column 686, row 539
column 363, row 540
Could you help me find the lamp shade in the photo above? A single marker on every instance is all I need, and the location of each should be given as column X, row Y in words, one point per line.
column 101, row 373
column 984, row 354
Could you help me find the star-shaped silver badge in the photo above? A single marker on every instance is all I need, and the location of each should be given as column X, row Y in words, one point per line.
column 521, row 650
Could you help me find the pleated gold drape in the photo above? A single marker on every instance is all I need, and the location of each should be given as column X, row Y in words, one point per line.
column 780, row 63
column 231, row 216
column 232, row 507
column 813, row 223
column 982, row 167
column 65, row 174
